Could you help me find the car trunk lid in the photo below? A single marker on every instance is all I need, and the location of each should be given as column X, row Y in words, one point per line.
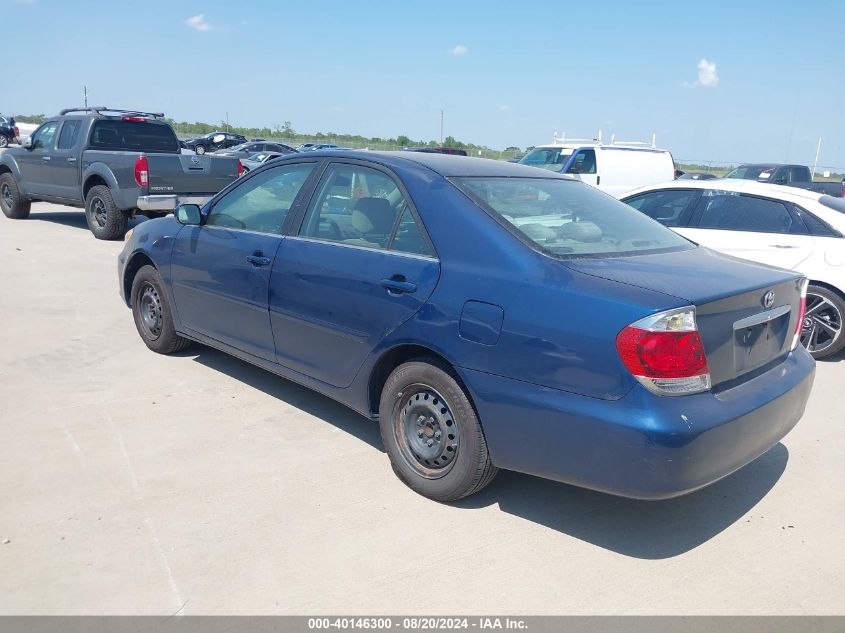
column 746, row 312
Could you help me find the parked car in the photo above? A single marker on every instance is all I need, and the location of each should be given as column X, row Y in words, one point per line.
column 9, row 132
column 487, row 315
column 110, row 162
column 697, row 175
column 309, row 147
column 214, row 141
column 790, row 175
column 791, row 228
column 256, row 160
column 615, row 168
column 246, row 149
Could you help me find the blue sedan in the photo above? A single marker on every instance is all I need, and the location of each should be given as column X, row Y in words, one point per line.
column 488, row 315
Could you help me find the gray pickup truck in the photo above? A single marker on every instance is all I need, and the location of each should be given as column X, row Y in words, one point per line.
column 112, row 163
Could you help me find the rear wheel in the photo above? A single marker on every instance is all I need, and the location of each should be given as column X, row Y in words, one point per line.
column 4, row 141
column 105, row 220
column 821, row 330
column 200, row 149
column 13, row 204
column 152, row 314
column 432, row 434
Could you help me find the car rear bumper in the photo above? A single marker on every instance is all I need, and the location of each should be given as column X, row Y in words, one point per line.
column 641, row 446
column 168, row 203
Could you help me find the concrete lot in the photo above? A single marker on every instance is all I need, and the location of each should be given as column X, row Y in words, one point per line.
column 133, row 483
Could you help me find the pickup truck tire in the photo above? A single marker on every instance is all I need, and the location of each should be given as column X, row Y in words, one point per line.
column 431, row 432
column 200, row 149
column 13, row 204
column 152, row 314
column 105, row 220
column 4, row 141
column 821, row 331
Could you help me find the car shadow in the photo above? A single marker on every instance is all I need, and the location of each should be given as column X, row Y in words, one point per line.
column 72, row 217
column 639, row 529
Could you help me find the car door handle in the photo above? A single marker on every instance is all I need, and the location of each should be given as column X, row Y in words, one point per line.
column 71, row 160
column 45, row 158
column 398, row 285
column 257, row 259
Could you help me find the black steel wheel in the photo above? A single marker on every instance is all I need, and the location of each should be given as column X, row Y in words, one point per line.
column 152, row 314
column 821, row 330
column 105, row 220
column 431, row 432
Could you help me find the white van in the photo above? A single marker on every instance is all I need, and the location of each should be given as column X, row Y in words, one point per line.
column 615, row 168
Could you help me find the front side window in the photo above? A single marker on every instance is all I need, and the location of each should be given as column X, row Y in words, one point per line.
column 729, row 211
column 670, row 207
column 584, row 162
column 67, row 137
column 45, row 135
column 567, row 218
column 354, row 205
column 263, row 202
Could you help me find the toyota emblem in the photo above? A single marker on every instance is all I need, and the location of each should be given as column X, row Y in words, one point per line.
column 769, row 299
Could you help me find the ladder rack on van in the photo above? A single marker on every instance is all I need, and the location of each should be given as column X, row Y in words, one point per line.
column 652, row 143
column 562, row 139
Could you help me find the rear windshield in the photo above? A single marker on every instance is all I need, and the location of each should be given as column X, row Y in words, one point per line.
column 569, row 218
column 142, row 136
column 553, row 158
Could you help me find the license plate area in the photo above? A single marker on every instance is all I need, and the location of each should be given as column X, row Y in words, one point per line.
column 760, row 338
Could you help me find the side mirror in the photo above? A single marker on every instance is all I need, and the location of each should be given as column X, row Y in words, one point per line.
column 27, row 142
column 189, row 214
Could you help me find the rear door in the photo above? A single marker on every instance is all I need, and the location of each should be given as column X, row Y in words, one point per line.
column 752, row 227
column 221, row 270
column 359, row 266
column 65, row 160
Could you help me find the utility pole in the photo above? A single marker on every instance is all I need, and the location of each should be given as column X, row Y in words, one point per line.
column 85, row 95
column 818, row 149
column 227, row 122
column 441, row 127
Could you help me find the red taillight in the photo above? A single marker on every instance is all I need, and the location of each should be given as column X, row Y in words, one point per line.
column 142, row 172
column 665, row 353
column 18, row 135
column 662, row 354
column 241, row 169
column 136, row 119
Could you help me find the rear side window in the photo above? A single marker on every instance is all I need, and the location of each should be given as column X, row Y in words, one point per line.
column 67, row 137
column 141, row 136
column 814, row 225
column 670, row 207
column 728, row 211
column 568, row 218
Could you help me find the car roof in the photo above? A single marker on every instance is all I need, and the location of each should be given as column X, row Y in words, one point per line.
column 447, row 165
column 736, row 184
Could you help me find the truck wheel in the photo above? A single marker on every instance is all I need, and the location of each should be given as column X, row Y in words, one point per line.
column 432, row 434
column 200, row 149
column 105, row 220
column 13, row 204
column 151, row 311
column 4, row 141
column 821, row 331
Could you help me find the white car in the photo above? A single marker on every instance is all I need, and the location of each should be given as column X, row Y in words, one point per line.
column 781, row 226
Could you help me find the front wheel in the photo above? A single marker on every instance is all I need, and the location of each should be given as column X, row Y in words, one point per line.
column 12, row 202
column 821, row 330
column 431, row 432
column 152, row 314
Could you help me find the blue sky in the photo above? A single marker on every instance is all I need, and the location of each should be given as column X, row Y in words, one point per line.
column 505, row 73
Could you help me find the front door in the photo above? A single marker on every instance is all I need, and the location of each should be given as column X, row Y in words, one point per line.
column 583, row 166
column 360, row 266
column 221, row 270
column 36, row 164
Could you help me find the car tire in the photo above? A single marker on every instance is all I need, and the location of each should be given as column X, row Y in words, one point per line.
column 200, row 149
column 152, row 314
column 4, row 141
column 822, row 332
column 12, row 202
column 105, row 220
column 432, row 433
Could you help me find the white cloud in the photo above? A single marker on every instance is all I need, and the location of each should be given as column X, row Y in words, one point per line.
column 199, row 23
column 707, row 76
column 459, row 50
